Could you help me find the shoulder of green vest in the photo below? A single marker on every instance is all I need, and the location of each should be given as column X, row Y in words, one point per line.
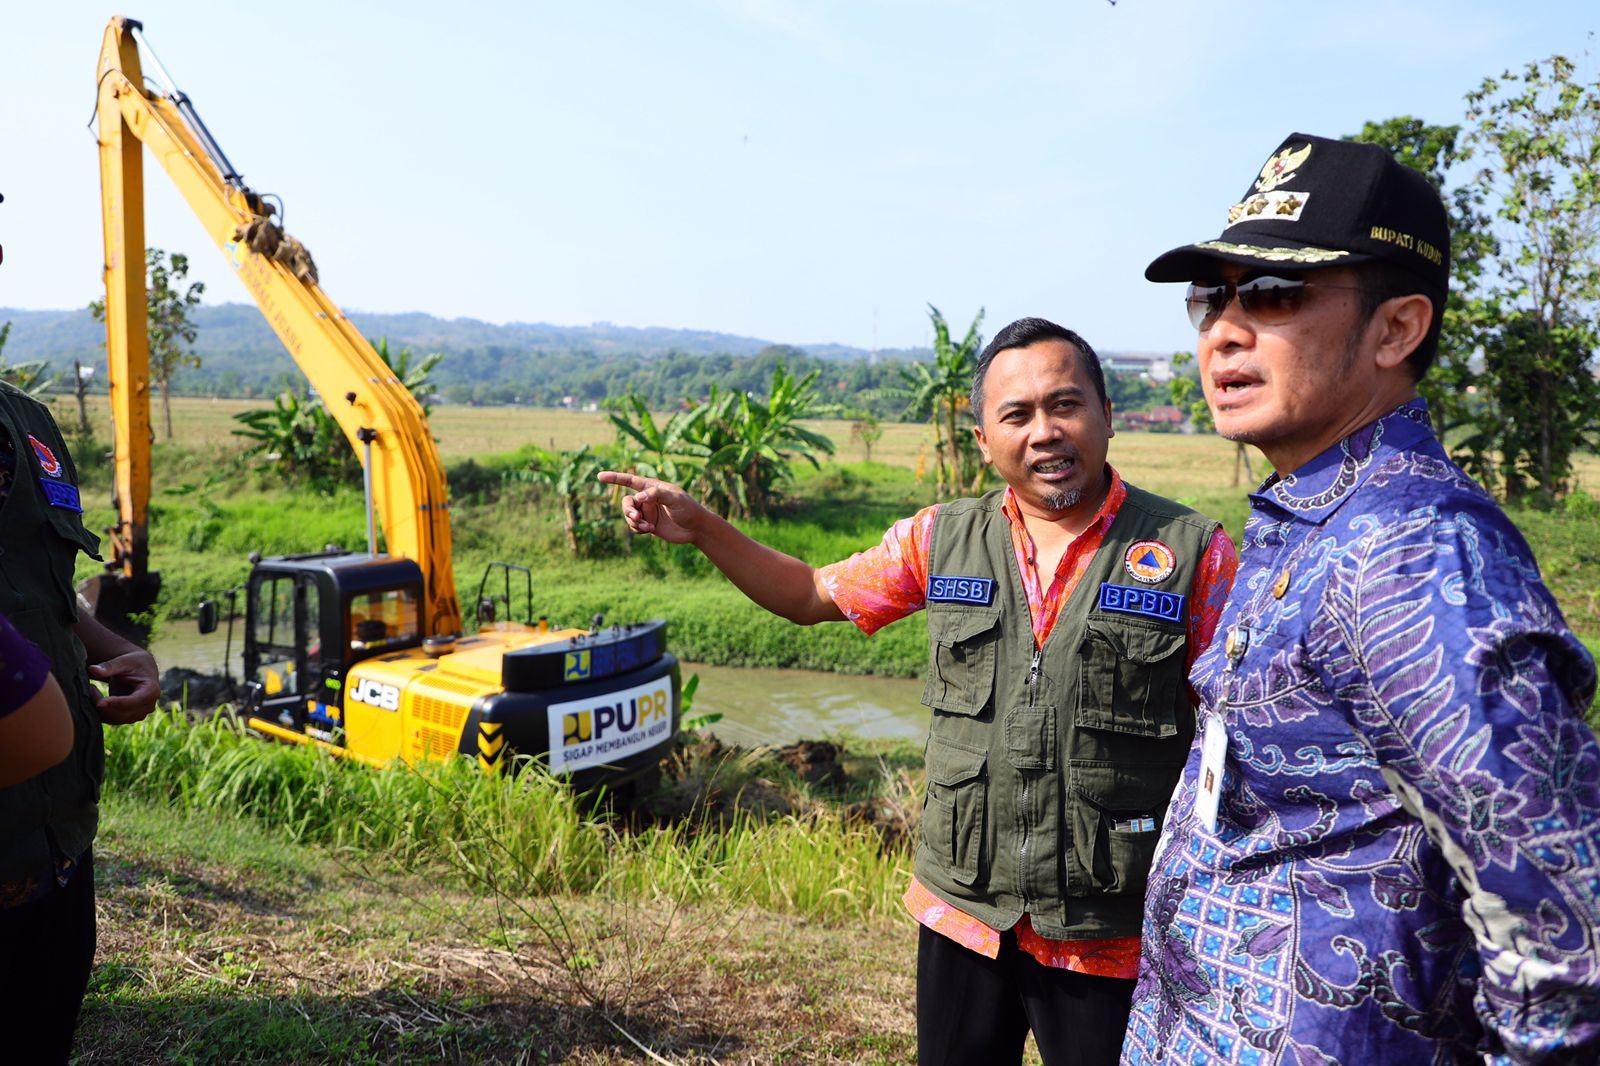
column 1170, row 510
column 22, row 399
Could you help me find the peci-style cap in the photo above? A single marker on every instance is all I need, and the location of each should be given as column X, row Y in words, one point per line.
column 1320, row 203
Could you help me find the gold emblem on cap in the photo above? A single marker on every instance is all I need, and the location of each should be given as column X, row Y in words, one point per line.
column 1274, row 255
column 1280, row 586
column 1289, row 206
column 1256, row 204
column 1281, row 167
column 1234, row 212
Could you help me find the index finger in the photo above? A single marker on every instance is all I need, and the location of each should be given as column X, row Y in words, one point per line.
column 620, row 477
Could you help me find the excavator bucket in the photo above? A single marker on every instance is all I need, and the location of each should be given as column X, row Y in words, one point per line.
column 121, row 604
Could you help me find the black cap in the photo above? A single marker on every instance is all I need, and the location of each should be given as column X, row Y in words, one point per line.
column 1323, row 203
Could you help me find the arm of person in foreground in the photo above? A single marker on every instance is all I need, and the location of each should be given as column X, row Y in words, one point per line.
column 1473, row 701
column 782, row 584
column 128, row 670
column 35, row 722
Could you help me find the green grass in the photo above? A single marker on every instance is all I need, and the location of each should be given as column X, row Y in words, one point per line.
column 203, row 532
column 508, row 835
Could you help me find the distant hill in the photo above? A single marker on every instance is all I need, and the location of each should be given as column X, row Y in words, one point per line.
column 234, row 337
column 535, row 363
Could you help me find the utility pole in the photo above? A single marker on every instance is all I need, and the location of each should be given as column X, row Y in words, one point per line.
column 80, row 385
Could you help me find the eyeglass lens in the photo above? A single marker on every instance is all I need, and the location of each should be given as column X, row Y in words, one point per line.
column 1270, row 301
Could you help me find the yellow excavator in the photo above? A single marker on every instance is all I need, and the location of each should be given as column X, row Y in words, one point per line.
column 362, row 653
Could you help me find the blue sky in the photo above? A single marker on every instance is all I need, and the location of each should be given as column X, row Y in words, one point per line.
column 803, row 172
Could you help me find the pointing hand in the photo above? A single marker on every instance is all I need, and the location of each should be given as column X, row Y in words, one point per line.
column 657, row 507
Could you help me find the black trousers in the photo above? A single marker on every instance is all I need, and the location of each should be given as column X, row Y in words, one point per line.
column 976, row 1011
column 46, row 952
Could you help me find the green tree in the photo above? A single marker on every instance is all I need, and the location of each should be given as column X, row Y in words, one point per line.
column 754, row 443
column 299, row 438
column 1536, row 137
column 673, row 451
column 940, row 392
column 414, row 376
column 866, row 431
column 170, row 329
column 586, row 503
column 1452, row 383
column 32, row 377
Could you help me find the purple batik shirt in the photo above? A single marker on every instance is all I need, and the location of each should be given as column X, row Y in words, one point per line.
column 23, row 668
column 1406, row 862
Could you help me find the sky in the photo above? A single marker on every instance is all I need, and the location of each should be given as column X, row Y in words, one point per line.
column 802, row 172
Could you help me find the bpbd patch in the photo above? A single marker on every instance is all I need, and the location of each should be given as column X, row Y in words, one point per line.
column 978, row 590
column 1128, row 599
column 61, row 494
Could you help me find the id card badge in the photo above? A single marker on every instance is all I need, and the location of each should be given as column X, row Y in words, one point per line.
column 1213, row 751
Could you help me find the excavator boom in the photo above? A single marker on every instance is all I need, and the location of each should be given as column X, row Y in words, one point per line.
column 359, row 389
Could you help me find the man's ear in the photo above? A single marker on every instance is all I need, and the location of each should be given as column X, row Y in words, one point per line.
column 983, row 445
column 1110, row 432
column 1402, row 323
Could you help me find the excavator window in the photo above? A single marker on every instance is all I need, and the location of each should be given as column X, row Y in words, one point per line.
column 287, row 637
column 275, row 635
column 382, row 619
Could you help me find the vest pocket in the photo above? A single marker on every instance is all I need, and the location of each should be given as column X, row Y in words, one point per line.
column 953, row 810
column 1113, row 838
column 961, row 659
column 1129, row 679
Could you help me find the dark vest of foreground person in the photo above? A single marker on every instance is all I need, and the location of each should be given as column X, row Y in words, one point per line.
column 1048, row 779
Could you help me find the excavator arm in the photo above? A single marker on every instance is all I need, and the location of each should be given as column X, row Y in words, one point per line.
column 359, row 389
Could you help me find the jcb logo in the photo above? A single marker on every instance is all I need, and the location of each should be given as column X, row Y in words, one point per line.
column 580, row 727
column 376, row 694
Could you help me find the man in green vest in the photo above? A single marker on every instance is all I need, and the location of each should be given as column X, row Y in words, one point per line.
column 1063, row 611
column 47, row 823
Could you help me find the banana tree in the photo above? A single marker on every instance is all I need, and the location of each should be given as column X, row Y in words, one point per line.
column 938, row 391
column 672, row 451
column 756, row 442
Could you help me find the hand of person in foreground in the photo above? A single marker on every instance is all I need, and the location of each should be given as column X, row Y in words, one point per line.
column 128, row 670
column 133, row 679
column 657, row 507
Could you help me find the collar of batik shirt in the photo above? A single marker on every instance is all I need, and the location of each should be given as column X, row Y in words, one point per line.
column 1319, row 488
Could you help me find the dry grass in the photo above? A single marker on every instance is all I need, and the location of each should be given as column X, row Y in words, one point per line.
column 200, row 962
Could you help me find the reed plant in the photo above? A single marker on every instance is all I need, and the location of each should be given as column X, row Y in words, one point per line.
column 503, row 834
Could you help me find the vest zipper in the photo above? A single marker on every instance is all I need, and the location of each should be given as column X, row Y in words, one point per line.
column 1027, row 791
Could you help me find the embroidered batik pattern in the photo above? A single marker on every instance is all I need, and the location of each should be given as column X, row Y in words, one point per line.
column 1406, row 864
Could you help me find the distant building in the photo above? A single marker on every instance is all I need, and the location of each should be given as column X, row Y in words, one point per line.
column 1165, row 417
column 1154, row 365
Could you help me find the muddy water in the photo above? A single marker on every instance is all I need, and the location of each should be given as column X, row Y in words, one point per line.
column 757, row 706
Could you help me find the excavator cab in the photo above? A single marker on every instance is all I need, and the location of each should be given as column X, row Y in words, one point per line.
column 308, row 618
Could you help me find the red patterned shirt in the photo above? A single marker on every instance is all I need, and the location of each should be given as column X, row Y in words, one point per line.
column 890, row 580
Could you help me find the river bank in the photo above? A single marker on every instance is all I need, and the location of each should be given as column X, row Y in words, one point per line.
column 267, row 903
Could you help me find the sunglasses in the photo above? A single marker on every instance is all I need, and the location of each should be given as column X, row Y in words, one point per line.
column 1268, row 301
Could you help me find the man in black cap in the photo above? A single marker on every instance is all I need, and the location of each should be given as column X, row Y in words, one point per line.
column 1385, row 846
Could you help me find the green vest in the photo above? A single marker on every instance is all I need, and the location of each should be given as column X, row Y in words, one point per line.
column 41, row 534
column 1049, row 772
